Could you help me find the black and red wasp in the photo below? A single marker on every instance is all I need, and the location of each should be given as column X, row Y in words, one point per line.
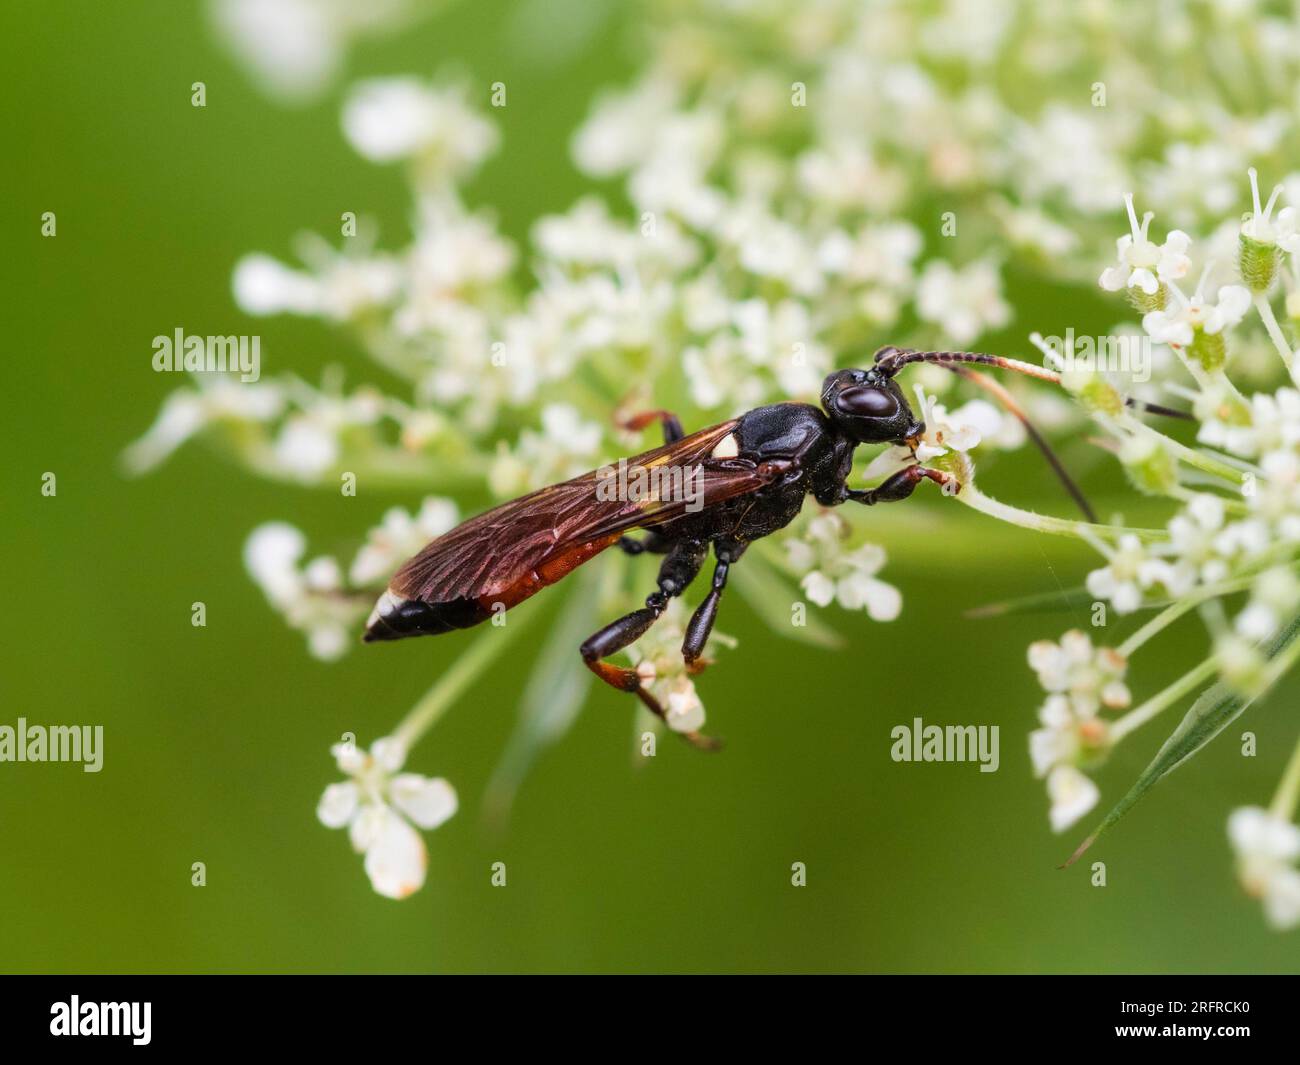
column 754, row 473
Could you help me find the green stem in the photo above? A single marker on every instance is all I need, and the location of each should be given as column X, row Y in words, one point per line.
column 1287, row 798
column 1172, row 613
column 1186, row 495
column 1144, row 713
column 1026, row 519
column 1198, row 459
column 467, row 668
column 1275, row 334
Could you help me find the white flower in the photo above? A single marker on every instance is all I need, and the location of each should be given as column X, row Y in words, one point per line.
column 1090, row 677
column 386, row 119
column 186, row 412
column 1194, row 537
column 1259, row 225
column 1179, row 324
column 342, row 286
column 1267, row 847
column 1130, row 571
column 398, row 537
column 881, row 254
column 1273, row 423
column 271, row 557
column 657, row 657
column 295, row 47
column 310, row 597
column 964, row 303
column 378, row 806
column 1142, row 263
column 1273, row 598
column 620, row 132
column 832, row 573
column 1072, row 795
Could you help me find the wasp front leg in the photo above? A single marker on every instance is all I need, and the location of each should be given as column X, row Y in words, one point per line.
column 903, row 484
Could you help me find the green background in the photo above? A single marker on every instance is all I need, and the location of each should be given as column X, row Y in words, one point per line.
column 216, row 738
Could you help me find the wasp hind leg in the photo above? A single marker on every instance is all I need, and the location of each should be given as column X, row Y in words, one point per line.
column 672, row 424
column 679, row 568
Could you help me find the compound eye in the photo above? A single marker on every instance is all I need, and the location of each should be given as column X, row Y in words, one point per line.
column 866, row 402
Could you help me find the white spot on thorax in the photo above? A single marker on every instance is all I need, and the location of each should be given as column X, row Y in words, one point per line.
column 726, row 448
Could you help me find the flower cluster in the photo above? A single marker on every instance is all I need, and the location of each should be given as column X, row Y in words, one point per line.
column 1229, row 551
column 805, row 185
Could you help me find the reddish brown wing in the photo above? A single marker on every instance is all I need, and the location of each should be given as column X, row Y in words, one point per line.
column 512, row 551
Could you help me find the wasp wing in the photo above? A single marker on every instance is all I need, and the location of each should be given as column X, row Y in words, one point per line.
column 504, row 555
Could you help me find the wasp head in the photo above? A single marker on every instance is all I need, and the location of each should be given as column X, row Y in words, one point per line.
column 869, row 407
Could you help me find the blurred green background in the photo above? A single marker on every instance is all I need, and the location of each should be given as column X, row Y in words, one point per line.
column 216, row 738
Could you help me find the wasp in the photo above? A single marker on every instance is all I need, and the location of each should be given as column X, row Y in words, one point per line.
column 754, row 473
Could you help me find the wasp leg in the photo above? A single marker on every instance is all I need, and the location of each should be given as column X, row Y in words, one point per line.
column 701, row 623
column 652, row 542
column 679, row 568
column 903, row 484
column 672, row 425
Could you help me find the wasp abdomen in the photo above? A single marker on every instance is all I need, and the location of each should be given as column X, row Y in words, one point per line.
column 395, row 617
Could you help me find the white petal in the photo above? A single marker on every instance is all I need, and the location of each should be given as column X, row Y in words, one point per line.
column 1072, row 795
column 389, row 753
column 1282, row 899
column 263, row 285
column 819, row 588
column 1255, row 832
column 1145, row 280
column 338, row 805
column 396, row 860
column 389, row 118
column 349, row 756
column 884, row 602
column 366, row 826
column 1113, row 278
column 426, row 802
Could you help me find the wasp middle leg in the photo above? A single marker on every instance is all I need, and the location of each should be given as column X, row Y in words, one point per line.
column 679, row 568
column 651, row 542
column 701, row 623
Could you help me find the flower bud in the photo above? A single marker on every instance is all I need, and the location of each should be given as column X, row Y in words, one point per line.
column 1258, row 262
column 1209, row 349
column 1146, row 302
column 1149, row 465
column 1093, row 392
column 1242, row 666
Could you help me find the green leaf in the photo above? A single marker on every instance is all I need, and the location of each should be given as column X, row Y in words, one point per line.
column 553, row 695
column 1214, row 710
column 770, row 596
